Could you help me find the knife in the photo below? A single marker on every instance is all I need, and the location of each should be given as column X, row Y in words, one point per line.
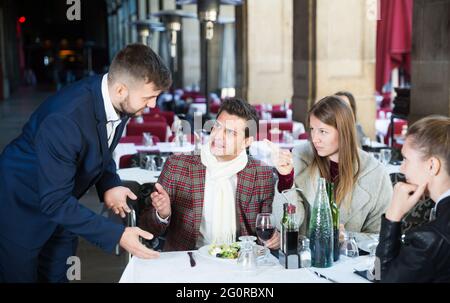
column 191, row 258
column 324, row 277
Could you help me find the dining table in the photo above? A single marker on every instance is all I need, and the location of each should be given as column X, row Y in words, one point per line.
column 139, row 175
column 177, row 268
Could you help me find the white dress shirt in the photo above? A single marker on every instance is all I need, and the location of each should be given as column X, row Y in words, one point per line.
column 112, row 117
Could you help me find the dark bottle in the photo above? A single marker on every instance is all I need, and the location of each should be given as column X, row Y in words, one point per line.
column 289, row 230
column 335, row 215
column 283, row 221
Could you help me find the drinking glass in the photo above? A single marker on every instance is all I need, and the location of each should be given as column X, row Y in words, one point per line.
column 265, row 229
column 247, row 255
column 148, row 139
column 385, row 156
column 349, row 247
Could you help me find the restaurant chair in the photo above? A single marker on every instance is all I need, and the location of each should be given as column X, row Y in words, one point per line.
column 158, row 129
column 278, row 114
column 154, row 117
column 214, row 108
column 138, row 140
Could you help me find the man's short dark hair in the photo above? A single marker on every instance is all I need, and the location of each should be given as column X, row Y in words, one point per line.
column 141, row 63
column 242, row 109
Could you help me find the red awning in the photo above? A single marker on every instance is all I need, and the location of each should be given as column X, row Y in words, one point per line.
column 394, row 32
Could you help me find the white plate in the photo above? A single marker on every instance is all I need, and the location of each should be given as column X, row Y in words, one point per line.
column 366, row 245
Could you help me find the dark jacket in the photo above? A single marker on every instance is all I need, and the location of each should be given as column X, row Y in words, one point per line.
column 61, row 153
column 424, row 255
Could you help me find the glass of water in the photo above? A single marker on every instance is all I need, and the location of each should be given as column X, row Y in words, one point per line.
column 147, row 139
column 385, row 156
column 349, row 247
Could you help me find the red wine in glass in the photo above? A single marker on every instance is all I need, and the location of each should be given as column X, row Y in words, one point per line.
column 264, row 233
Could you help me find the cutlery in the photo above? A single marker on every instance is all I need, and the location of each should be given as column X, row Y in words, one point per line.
column 191, row 258
column 324, row 277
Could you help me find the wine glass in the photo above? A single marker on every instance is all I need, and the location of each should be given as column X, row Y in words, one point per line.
column 265, row 229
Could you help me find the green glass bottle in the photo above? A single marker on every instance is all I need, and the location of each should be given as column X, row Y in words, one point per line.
column 335, row 215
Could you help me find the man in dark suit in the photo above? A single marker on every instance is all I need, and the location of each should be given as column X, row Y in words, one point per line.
column 213, row 197
column 64, row 149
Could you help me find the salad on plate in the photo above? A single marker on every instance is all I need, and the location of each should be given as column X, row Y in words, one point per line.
column 225, row 251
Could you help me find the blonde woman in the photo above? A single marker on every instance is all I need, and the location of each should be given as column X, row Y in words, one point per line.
column 363, row 188
column 424, row 255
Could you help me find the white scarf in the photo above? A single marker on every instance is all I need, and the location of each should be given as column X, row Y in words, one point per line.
column 224, row 204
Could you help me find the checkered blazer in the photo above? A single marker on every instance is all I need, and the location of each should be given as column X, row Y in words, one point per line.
column 183, row 177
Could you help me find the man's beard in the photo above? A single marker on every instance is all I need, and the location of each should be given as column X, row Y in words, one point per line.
column 124, row 109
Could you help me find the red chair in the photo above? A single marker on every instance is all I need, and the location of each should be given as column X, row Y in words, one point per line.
column 154, row 117
column 214, row 108
column 303, row 136
column 170, row 117
column 265, row 128
column 158, row 129
column 278, row 113
column 138, row 140
column 190, row 138
column 125, row 161
column 277, row 107
column 258, row 107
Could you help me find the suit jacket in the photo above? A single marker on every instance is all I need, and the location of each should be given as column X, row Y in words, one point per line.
column 61, row 153
column 424, row 255
column 371, row 194
column 183, row 177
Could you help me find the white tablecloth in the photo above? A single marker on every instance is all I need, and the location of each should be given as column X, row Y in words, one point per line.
column 139, row 175
column 174, row 267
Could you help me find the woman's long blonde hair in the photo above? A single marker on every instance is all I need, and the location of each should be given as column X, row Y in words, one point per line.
column 335, row 112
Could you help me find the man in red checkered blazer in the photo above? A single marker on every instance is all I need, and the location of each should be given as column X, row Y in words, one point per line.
column 215, row 196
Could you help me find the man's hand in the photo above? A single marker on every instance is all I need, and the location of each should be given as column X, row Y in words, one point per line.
column 130, row 242
column 274, row 242
column 161, row 201
column 282, row 159
column 403, row 200
column 116, row 200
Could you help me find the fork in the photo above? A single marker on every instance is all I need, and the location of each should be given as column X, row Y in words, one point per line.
column 191, row 259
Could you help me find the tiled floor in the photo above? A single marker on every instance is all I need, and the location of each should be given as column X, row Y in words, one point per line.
column 96, row 265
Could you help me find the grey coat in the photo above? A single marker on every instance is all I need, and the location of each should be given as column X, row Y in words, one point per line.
column 371, row 195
